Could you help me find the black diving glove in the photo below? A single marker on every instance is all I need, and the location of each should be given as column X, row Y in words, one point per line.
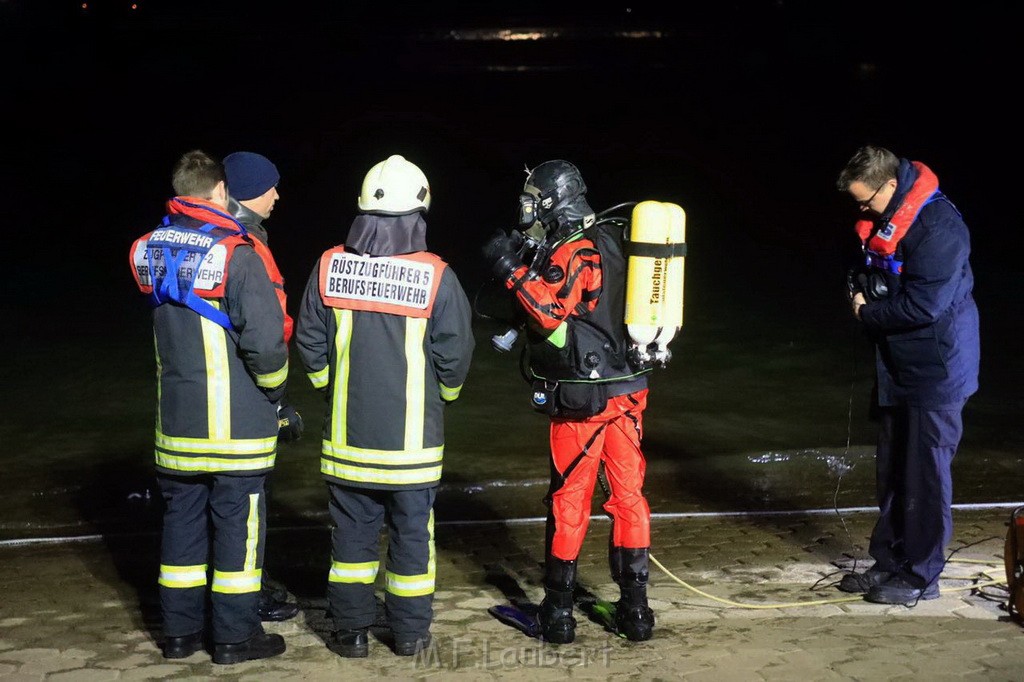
column 501, row 254
column 289, row 424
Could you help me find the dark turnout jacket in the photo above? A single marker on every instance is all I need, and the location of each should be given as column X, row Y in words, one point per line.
column 926, row 331
column 389, row 341
column 216, row 386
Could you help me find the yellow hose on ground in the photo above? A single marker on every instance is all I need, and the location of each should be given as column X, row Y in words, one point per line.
column 816, row 602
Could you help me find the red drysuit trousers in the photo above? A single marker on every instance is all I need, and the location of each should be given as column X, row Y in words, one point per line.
column 578, row 447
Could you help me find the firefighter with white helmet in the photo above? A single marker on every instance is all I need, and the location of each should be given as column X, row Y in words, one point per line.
column 384, row 332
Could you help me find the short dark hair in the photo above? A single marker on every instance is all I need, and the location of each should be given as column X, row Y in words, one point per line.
column 871, row 165
column 196, row 174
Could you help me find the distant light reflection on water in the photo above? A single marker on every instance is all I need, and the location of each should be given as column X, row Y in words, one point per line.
column 545, row 33
column 836, row 464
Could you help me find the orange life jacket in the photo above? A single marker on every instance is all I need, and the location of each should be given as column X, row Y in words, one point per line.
column 277, row 279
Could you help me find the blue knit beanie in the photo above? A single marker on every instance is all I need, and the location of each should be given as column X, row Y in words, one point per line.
column 249, row 175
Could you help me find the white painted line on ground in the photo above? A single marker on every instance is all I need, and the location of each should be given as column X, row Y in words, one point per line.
column 68, row 539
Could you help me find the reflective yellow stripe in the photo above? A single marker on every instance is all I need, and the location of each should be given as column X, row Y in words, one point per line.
column 237, row 582
column 410, row 585
column 274, row 379
column 236, row 446
column 252, row 531
column 212, row 464
column 395, row 457
column 388, row 476
column 339, row 428
column 416, row 585
column 415, row 360
column 319, row 379
column 364, row 573
column 557, row 337
column 218, row 378
column 450, row 393
column 159, row 382
column 182, row 576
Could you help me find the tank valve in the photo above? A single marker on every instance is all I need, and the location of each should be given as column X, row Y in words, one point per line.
column 504, row 342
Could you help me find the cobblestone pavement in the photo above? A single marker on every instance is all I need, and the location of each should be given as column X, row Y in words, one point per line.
column 753, row 598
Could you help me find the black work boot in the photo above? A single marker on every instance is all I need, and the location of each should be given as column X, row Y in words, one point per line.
column 260, row 645
column 273, row 603
column 352, row 643
column 184, row 646
column 633, row 618
column 556, row 622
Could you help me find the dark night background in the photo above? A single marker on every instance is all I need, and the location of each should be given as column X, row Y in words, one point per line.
column 741, row 112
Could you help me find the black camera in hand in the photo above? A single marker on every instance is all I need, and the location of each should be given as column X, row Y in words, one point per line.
column 868, row 282
column 290, row 426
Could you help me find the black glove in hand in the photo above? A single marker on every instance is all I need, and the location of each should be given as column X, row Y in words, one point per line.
column 289, row 424
column 500, row 253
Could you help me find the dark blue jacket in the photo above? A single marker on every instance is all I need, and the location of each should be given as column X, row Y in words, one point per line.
column 926, row 332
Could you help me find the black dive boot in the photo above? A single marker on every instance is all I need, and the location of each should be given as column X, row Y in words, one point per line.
column 633, row 618
column 556, row 622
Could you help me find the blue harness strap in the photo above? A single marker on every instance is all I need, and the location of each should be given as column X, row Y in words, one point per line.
column 177, row 281
column 880, row 262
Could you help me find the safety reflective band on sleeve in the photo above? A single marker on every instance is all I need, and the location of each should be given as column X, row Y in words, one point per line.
column 212, row 464
column 237, row 582
column 364, row 573
column 180, row 577
column 319, row 379
column 274, row 379
column 410, row 585
column 450, row 393
column 557, row 337
column 382, row 476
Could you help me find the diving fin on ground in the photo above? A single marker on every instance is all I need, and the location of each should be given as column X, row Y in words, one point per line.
column 525, row 617
column 601, row 612
column 522, row 616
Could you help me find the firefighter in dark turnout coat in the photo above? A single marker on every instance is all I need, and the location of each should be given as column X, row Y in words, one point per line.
column 252, row 194
column 221, row 364
column 573, row 300
column 384, row 331
column 913, row 295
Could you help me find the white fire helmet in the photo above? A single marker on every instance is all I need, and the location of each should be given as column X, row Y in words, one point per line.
column 395, row 187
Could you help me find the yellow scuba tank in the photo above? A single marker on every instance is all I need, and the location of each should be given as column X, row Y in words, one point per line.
column 656, row 250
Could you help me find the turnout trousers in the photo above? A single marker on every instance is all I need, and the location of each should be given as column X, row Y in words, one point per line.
column 226, row 513
column 915, row 489
column 358, row 515
column 578, row 448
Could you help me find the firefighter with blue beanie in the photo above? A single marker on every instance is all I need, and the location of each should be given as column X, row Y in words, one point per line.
column 252, row 194
column 384, row 333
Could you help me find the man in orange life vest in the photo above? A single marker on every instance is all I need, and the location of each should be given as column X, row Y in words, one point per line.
column 912, row 293
column 222, row 365
column 384, row 333
column 573, row 297
column 252, row 194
